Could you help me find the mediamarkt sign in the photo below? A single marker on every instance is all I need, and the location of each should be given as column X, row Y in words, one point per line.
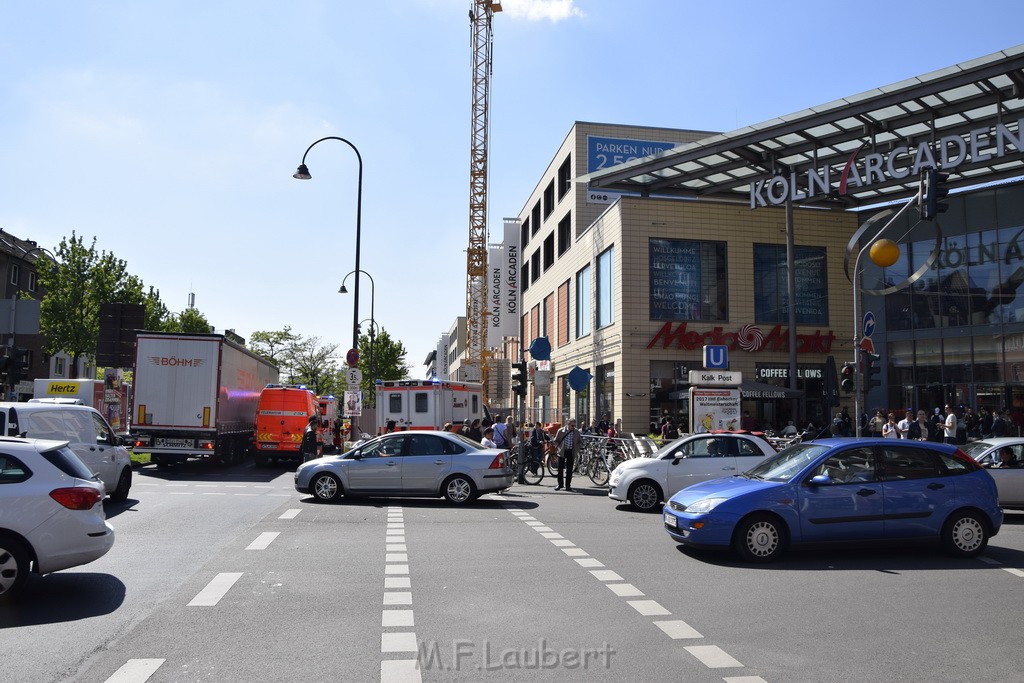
column 748, row 338
column 978, row 145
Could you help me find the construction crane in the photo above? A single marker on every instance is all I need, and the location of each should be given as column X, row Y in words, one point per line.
column 480, row 16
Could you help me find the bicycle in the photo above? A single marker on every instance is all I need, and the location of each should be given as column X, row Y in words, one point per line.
column 534, row 466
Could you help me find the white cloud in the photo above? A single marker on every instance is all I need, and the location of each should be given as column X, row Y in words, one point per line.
column 539, row 10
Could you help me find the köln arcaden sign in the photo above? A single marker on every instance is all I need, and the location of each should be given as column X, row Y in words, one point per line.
column 976, row 146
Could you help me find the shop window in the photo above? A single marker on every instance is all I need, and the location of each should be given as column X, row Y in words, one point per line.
column 565, row 234
column 771, row 286
column 606, row 287
column 564, row 177
column 688, row 280
column 549, row 251
column 605, row 393
column 583, row 302
column 549, row 199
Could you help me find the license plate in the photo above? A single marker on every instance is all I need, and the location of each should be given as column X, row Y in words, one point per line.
column 670, row 519
column 269, row 446
column 172, row 443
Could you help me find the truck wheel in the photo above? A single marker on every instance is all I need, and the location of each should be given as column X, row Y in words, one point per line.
column 124, row 484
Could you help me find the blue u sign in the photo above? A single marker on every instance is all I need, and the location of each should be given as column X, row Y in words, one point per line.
column 716, row 357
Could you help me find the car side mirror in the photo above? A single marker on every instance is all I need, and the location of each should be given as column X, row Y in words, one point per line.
column 820, row 480
column 357, row 455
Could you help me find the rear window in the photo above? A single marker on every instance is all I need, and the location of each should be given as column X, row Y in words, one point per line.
column 65, row 460
column 12, row 470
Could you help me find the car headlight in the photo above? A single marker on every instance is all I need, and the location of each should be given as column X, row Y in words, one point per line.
column 705, row 505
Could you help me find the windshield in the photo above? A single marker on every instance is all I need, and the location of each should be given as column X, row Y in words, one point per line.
column 785, row 465
column 475, row 445
column 976, row 448
column 668, row 448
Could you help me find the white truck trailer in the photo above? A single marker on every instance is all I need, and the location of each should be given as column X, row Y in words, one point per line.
column 196, row 396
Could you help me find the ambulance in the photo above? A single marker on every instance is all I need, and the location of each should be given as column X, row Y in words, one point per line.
column 281, row 418
column 428, row 404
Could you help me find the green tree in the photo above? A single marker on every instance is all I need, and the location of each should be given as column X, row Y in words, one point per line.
column 312, row 363
column 388, row 362
column 157, row 313
column 189, row 321
column 272, row 344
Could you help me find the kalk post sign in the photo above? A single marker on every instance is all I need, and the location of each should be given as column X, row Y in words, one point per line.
column 503, row 286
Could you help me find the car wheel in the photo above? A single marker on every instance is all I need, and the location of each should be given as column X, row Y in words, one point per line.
column 14, row 567
column 124, row 483
column 325, row 487
column 965, row 534
column 760, row 538
column 459, row 490
column 644, row 495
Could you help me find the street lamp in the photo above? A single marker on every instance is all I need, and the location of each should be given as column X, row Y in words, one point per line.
column 373, row 299
column 303, row 174
column 374, row 331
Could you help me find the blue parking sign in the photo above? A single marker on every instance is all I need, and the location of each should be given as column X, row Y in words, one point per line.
column 716, row 357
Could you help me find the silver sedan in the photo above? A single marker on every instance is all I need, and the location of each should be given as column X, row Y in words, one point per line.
column 416, row 463
column 1003, row 457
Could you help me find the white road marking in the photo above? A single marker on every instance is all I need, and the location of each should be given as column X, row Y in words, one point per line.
column 1015, row 572
column 400, row 671
column 177, row 485
column 562, row 543
column 398, row 642
column 396, row 525
column 215, row 590
column 395, row 547
column 535, row 523
column 744, row 679
column 713, row 656
column 528, row 518
column 397, row 582
column 575, row 552
column 136, row 671
column 246, row 494
column 207, row 486
column 395, row 532
column 262, row 486
column 396, row 557
column 678, row 629
column 605, row 575
column 213, row 493
column 182, row 493
column 396, row 569
column 397, row 617
column 624, row 590
column 263, row 540
column 648, row 608
column 236, row 486
column 291, row 514
column 551, row 534
column 589, row 562
column 542, row 529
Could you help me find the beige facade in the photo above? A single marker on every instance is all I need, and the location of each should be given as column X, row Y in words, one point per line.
column 615, row 340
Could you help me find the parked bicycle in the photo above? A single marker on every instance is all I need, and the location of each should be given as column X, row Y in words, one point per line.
column 534, row 473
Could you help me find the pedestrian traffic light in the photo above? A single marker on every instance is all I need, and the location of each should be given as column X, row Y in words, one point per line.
column 932, row 192
column 871, row 371
column 17, row 366
column 5, row 366
column 519, row 378
column 847, row 372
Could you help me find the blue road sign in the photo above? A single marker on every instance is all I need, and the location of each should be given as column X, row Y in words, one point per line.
column 716, row 357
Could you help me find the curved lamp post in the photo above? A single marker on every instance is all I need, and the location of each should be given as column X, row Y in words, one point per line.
column 374, row 331
column 373, row 298
column 303, row 174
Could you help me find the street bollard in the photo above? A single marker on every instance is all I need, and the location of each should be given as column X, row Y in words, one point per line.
column 521, row 476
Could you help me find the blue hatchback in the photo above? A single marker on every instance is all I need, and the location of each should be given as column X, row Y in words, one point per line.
column 842, row 490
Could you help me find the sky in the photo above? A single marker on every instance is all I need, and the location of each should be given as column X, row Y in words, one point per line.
column 169, row 130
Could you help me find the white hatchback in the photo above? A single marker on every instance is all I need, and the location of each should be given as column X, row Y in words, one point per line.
column 51, row 512
column 645, row 482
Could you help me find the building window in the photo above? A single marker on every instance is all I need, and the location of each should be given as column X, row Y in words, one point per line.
column 563, row 314
column 535, row 218
column 564, row 177
column 15, row 271
column 689, row 280
column 605, row 393
column 771, row 289
column 525, row 279
column 535, row 322
column 549, row 251
column 564, row 234
column 535, row 265
column 545, row 320
column 32, row 282
column 605, row 287
column 549, row 199
column 58, row 367
column 583, row 302
column 524, row 234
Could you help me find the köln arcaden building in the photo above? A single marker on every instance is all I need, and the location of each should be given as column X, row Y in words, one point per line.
column 642, row 245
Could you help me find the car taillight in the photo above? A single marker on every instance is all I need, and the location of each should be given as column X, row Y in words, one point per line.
column 967, row 460
column 76, row 497
column 498, row 463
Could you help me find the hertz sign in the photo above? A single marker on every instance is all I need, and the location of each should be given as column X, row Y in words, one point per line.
column 62, row 388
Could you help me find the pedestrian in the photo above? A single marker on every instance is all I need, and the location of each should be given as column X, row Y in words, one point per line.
column 838, row 425
column 950, row 425
column 511, row 433
column 970, row 424
column 499, row 435
column 475, row 433
column 603, row 425
column 985, row 419
column 747, row 423
column 998, row 424
column 789, row 429
column 537, row 438
column 938, row 424
column 905, row 423
column 308, row 447
column 890, row 430
column 568, row 441
column 486, row 441
column 389, row 426
column 876, row 424
column 919, row 429
column 447, row 427
column 847, row 422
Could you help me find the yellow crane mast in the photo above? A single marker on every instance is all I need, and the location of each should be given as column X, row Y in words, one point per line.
column 480, row 16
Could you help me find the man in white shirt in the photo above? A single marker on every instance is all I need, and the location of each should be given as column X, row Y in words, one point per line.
column 950, row 425
column 903, row 426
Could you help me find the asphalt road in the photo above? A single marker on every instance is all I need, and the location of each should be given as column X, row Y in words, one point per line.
column 231, row 575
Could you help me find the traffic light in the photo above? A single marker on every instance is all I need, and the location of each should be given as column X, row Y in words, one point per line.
column 519, row 378
column 871, row 371
column 932, row 192
column 5, row 367
column 847, row 372
column 17, row 366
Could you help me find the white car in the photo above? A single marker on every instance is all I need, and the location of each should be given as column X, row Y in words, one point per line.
column 85, row 430
column 1003, row 457
column 51, row 512
column 645, row 482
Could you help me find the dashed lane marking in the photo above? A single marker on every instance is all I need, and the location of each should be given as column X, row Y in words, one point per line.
column 605, row 575
column 397, row 642
column 744, row 679
column 263, row 540
column 290, row 514
column 648, row 608
column 624, row 590
column 713, row 656
column 677, row 629
column 136, row 671
column 215, row 590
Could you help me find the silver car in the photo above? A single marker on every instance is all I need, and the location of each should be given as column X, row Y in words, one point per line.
column 416, row 463
column 1003, row 457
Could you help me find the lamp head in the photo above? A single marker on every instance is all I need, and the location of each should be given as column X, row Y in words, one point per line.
column 302, row 173
column 343, row 290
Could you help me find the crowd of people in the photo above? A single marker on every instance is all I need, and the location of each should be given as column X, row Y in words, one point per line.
column 955, row 425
